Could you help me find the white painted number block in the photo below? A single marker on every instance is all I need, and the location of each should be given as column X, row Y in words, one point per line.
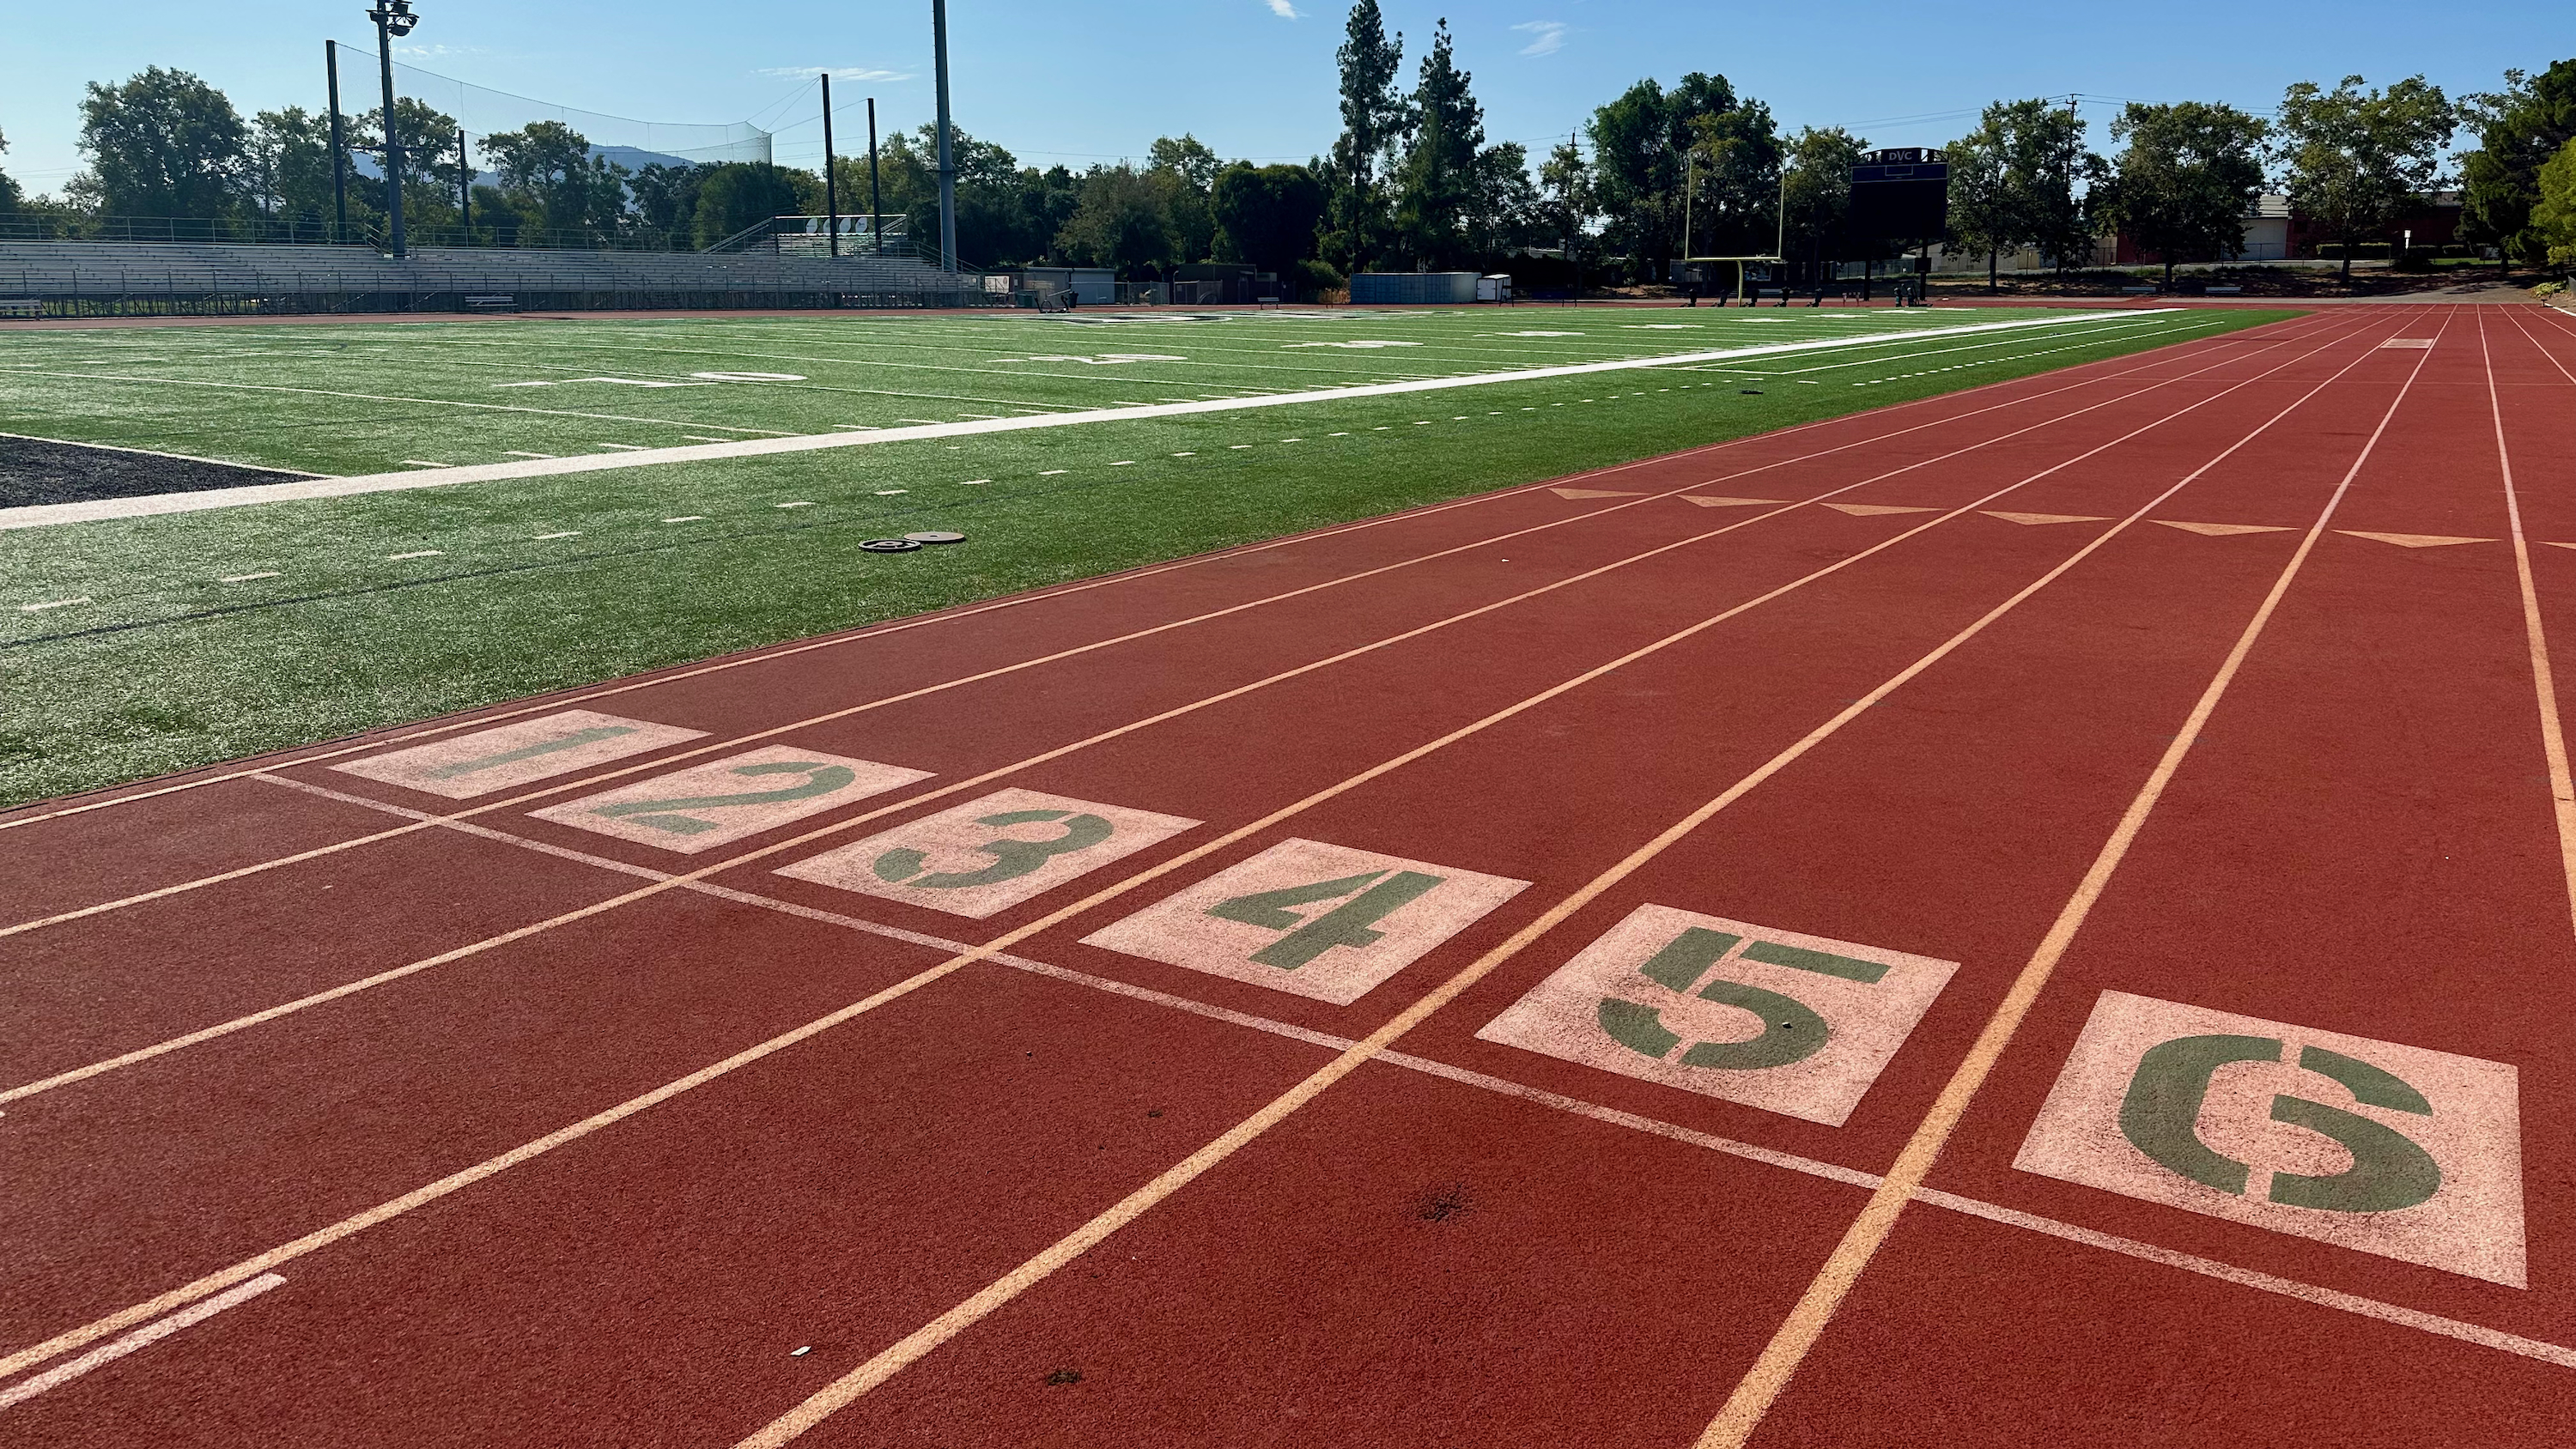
column 515, row 754
column 989, row 855
column 721, row 802
column 2395, row 1150
column 1779, row 1020
column 1318, row 920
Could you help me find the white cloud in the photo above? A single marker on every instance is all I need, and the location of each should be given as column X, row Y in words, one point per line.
column 1547, row 37
column 1285, row 11
column 839, row 72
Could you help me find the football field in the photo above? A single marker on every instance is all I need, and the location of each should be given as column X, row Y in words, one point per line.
column 590, row 497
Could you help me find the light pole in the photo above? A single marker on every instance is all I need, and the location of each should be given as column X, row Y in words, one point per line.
column 393, row 18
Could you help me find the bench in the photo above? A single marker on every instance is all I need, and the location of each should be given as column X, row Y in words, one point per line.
column 496, row 302
column 2221, row 291
column 1265, row 301
column 21, row 307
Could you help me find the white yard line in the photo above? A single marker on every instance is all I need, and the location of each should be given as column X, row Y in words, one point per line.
column 41, row 515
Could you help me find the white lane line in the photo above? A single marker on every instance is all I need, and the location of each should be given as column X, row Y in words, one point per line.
column 144, row 1337
column 624, row 447
column 421, row 463
column 246, row 578
column 524, row 453
column 41, row 515
column 1047, row 472
column 800, row 503
column 52, row 604
column 416, row 553
column 687, row 518
column 701, row 438
column 890, row 492
column 567, row 533
column 1124, row 463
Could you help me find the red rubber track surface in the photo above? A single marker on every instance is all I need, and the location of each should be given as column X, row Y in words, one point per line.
column 543, row 1145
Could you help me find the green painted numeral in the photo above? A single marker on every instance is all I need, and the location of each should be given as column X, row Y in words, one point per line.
column 1348, row 924
column 530, row 752
column 2160, row 1115
column 1011, row 858
column 1792, row 1031
column 823, row 781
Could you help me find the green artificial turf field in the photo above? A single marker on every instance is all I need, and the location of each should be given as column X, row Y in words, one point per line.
column 134, row 646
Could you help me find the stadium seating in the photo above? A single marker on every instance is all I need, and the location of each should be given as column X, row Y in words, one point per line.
column 294, row 277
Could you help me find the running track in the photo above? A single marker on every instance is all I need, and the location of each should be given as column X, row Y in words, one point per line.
column 341, row 1112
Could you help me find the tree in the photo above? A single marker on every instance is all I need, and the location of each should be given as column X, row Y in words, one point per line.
column 1982, row 216
column 1504, row 209
column 1566, row 208
column 736, row 195
column 552, row 165
column 2026, row 158
column 2553, row 210
column 666, row 197
column 1817, row 198
column 287, row 167
column 1640, row 145
column 2357, row 158
column 1373, row 121
column 1436, row 183
column 1121, row 221
column 10, row 195
column 1735, row 209
column 1266, row 215
column 1184, row 171
column 432, row 166
column 2520, row 130
column 2187, row 180
column 162, row 144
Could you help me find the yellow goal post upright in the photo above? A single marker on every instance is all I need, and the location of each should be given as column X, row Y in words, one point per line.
column 1692, row 264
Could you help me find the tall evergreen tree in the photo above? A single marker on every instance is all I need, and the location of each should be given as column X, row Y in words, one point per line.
column 1373, row 122
column 1438, row 182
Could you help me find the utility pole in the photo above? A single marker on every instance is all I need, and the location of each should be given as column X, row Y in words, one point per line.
column 831, row 184
column 876, row 197
column 393, row 18
column 947, row 161
column 339, row 147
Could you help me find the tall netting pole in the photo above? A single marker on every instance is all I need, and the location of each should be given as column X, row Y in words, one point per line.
column 831, row 183
column 947, row 162
column 876, row 197
column 383, row 15
column 339, row 146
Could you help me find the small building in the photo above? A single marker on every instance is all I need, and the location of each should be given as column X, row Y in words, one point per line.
column 1398, row 289
column 1091, row 286
column 1214, row 284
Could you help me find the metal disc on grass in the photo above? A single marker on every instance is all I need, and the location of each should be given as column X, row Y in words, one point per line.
column 888, row 545
column 936, row 536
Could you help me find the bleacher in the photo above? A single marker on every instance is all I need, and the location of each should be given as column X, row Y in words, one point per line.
column 88, row 277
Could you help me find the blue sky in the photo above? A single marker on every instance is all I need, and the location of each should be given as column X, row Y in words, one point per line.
column 1252, row 77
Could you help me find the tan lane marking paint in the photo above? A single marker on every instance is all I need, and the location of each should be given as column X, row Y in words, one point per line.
column 1592, row 493
column 1831, row 1172
column 922, row 1341
column 2042, row 517
column 2411, row 540
column 2553, row 733
column 320, row 1238
column 1805, row 1324
column 185, row 886
column 1705, row 502
column 1873, row 510
column 2221, row 530
column 1037, row 596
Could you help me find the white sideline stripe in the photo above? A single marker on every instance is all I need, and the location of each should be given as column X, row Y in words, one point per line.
column 42, row 515
column 143, row 1337
column 157, row 453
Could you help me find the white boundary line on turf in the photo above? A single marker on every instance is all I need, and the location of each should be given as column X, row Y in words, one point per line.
column 43, row 515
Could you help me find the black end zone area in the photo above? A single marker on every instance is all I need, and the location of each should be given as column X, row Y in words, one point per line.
column 34, row 471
